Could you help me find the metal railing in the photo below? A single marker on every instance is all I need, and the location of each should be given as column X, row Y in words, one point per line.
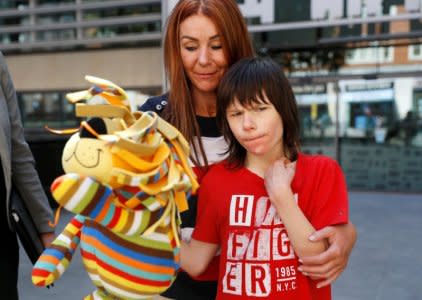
column 72, row 25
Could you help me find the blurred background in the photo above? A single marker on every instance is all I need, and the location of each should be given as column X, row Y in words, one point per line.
column 355, row 66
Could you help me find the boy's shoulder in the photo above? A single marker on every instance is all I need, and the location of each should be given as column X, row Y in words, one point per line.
column 218, row 172
column 317, row 159
column 156, row 104
column 216, row 169
column 317, row 164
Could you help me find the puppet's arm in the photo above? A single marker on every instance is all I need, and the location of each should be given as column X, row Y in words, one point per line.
column 88, row 197
column 54, row 261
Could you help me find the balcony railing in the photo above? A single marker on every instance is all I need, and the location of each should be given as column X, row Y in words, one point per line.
column 80, row 24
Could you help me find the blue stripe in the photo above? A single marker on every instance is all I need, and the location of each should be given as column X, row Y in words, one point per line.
column 100, row 203
column 157, row 177
column 50, row 267
column 54, row 252
column 125, row 194
column 110, row 214
column 141, row 195
column 80, row 218
column 96, row 89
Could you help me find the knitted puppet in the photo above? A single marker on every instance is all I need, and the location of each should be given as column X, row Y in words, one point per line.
column 127, row 178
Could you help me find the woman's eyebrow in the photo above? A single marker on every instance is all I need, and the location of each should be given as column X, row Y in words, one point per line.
column 188, row 37
column 214, row 37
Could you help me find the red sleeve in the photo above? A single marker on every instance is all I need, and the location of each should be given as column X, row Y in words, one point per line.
column 332, row 200
column 206, row 228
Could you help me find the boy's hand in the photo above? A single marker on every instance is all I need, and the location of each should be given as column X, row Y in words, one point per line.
column 278, row 178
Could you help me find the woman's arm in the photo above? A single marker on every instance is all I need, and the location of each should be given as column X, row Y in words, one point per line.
column 278, row 178
column 22, row 163
column 329, row 264
column 196, row 255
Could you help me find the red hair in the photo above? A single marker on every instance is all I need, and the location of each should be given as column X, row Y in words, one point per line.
column 226, row 16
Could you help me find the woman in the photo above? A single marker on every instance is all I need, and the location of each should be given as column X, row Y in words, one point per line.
column 203, row 39
column 17, row 166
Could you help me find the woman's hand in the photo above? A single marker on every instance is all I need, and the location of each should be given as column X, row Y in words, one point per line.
column 328, row 265
column 47, row 238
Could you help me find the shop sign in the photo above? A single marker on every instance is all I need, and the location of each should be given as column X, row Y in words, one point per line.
column 309, row 89
column 369, row 86
column 368, row 96
column 306, row 99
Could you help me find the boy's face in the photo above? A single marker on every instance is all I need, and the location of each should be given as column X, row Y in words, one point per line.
column 257, row 127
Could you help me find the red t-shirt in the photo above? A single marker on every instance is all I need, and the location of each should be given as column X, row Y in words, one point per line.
column 211, row 273
column 257, row 260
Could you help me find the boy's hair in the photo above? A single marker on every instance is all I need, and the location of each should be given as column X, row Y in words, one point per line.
column 249, row 81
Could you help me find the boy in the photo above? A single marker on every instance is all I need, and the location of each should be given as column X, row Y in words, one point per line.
column 261, row 204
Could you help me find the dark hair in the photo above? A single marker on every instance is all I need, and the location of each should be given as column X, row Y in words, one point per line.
column 226, row 16
column 249, row 81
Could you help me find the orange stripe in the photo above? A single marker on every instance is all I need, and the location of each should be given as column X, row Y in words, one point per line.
column 128, row 277
column 104, row 211
column 50, row 259
column 127, row 260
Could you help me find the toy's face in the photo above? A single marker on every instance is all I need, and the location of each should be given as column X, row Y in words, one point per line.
column 87, row 156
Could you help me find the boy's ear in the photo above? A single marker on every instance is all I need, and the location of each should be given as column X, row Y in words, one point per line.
column 97, row 124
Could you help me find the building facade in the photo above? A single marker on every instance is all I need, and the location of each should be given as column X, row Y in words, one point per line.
column 355, row 67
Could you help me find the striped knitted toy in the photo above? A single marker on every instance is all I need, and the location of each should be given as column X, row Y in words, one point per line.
column 127, row 178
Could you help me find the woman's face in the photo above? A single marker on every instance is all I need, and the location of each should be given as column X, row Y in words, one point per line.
column 202, row 53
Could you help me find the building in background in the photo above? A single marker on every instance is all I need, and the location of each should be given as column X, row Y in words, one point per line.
column 355, row 65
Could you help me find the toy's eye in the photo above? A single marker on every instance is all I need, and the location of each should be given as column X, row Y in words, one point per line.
column 97, row 124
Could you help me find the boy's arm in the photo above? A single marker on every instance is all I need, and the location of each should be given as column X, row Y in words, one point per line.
column 196, row 255
column 278, row 179
column 329, row 264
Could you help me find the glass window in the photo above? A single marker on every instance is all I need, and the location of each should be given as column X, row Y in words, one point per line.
column 12, row 21
column 370, row 55
column 7, row 4
column 52, row 2
column 415, row 52
column 51, row 35
column 418, row 102
column 46, row 109
column 382, row 146
column 113, row 30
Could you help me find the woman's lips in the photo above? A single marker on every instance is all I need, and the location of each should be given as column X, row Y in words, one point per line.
column 205, row 75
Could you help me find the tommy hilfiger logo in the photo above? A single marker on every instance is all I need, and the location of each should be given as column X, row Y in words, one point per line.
column 257, row 240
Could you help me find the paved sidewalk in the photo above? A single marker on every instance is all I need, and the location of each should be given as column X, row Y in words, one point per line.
column 387, row 257
column 384, row 265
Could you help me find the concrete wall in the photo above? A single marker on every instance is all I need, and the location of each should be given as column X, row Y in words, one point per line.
column 374, row 167
column 383, row 167
column 134, row 67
